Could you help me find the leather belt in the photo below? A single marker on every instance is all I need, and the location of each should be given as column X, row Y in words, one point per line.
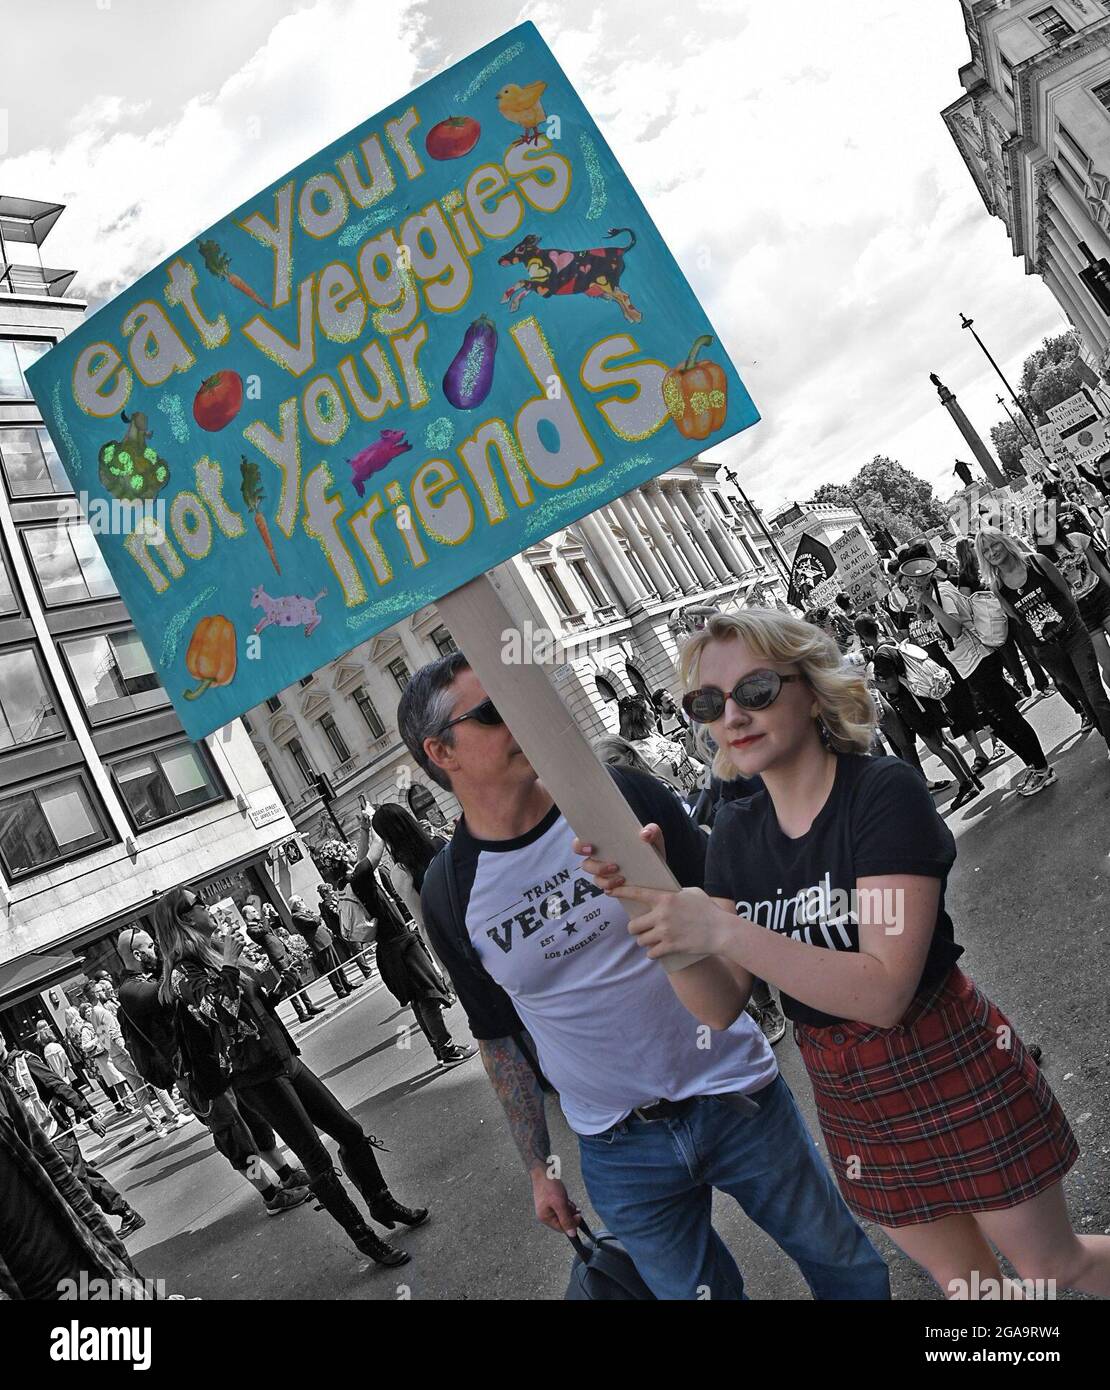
column 669, row 1109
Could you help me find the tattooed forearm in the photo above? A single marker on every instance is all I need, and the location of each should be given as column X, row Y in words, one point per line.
column 520, row 1095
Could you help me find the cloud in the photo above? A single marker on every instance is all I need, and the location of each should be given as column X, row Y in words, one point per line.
column 793, row 157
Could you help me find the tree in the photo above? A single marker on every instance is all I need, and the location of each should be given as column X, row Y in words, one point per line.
column 887, row 494
column 1049, row 375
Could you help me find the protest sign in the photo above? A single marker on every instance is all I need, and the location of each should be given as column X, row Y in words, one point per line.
column 854, row 556
column 812, row 573
column 450, row 333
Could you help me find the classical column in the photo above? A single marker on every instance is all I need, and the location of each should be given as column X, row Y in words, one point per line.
column 698, row 534
column 669, row 555
column 730, row 551
column 700, row 509
column 1083, row 225
column 660, row 498
column 606, row 554
column 1060, row 246
column 664, row 584
column 1059, row 275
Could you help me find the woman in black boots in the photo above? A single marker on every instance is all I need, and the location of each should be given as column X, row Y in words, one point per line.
column 266, row 1070
column 406, row 967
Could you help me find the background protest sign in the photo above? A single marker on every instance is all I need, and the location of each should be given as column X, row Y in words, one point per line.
column 448, row 334
column 812, row 575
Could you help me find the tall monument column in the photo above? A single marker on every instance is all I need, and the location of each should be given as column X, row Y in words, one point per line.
column 964, row 425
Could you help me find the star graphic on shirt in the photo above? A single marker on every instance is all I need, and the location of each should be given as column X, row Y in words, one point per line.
column 571, row 929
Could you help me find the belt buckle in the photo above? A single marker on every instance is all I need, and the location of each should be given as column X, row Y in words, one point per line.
column 662, row 1109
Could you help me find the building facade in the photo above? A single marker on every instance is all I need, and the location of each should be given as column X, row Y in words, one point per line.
column 609, row 592
column 104, row 802
column 1033, row 127
column 824, row 521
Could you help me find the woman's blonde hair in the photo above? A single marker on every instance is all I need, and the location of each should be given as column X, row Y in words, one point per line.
column 1014, row 546
column 843, row 700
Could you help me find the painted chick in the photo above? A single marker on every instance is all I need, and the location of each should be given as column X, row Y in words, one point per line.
column 523, row 107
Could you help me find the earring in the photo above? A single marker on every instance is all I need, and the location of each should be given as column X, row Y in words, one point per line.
column 823, row 733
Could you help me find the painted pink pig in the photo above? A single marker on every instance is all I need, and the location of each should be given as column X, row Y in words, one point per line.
column 370, row 460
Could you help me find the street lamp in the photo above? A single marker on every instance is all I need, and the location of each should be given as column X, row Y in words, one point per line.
column 784, row 563
column 965, row 322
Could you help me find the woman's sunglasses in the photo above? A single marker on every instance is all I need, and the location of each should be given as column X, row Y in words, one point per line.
column 485, row 713
column 757, row 690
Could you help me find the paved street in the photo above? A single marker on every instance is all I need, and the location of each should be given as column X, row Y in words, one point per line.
column 1031, row 901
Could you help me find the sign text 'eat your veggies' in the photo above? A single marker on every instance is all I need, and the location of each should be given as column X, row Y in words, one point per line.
column 449, row 334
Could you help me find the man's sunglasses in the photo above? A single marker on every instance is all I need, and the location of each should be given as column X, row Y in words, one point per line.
column 485, row 713
column 757, row 690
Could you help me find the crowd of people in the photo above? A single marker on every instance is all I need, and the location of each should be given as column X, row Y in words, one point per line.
column 785, row 791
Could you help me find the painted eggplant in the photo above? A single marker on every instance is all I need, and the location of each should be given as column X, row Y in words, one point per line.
column 469, row 377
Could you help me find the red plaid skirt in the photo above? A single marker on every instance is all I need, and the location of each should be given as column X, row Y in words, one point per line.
column 943, row 1114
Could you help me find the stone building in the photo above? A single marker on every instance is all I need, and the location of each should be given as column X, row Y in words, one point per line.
column 104, row 802
column 1033, row 127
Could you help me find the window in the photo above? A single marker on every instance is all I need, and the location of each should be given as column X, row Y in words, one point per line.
column 1076, row 177
column 113, row 671
column 1051, row 25
column 591, row 586
column 304, row 767
column 1101, row 94
column 47, row 824
column 247, row 725
column 27, row 712
column 556, row 590
column 1074, row 148
column 16, row 355
column 31, row 463
column 165, row 783
column 400, row 673
column 307, row 680
column 444, row 642
column 334, row 737
column 273, row 704
column 368, row 712
column 1005, row 61
column 8, row 601
column 68, row 564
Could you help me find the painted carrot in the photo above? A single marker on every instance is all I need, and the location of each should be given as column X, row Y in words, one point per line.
column 218, row 263
column 252, row 496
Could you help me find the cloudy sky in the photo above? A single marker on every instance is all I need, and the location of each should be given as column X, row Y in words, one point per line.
column 792, row 155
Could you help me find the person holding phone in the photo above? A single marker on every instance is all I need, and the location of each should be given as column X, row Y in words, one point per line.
column 831, row 884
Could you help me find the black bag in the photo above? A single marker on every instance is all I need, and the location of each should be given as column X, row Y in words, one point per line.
column 603, row 1270
column 198, row 1061
column 150, row 1063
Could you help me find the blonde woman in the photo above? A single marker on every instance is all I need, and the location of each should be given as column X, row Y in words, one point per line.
column 1036, row 596
column 830, row 884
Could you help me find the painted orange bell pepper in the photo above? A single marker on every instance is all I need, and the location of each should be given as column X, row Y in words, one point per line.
column 211, row 654
column 696, row 394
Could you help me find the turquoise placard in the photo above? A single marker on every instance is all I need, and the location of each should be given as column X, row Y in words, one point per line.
column 450, row 333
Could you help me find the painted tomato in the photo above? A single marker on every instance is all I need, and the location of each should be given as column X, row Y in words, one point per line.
column 455, row 136
column 218, row 400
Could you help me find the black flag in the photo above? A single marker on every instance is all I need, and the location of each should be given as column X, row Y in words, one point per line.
column 813, row 564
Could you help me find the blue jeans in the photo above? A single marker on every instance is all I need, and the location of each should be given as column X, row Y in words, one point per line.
column 652, row 1183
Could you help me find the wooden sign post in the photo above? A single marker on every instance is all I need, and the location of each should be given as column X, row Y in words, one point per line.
column 477, row 616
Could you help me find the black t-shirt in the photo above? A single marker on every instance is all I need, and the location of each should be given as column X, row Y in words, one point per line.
column 1040, row 606
column 879, row 819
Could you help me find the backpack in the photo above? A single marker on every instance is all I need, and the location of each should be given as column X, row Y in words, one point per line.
column 988, row 618
column 924, row 677
column 150, row 1063
column 603, row 1271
